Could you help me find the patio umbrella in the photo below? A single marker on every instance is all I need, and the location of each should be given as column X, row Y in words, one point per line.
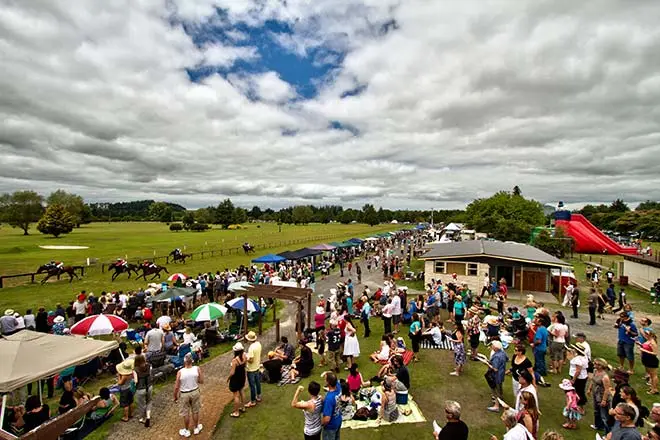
column 208, row 312
column 237, row 304
column 269, row 258
column 172, row 293
column 177, row 277
column 323, row 247
column 96, row 325
column 239, row 286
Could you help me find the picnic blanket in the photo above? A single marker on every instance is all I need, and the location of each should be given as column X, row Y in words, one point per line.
column 415, row 416
column 286, row 376
column 445, row 345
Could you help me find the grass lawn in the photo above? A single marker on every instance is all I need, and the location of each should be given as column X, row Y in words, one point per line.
column 431, row 386
column 107, row 241
column 640, row 300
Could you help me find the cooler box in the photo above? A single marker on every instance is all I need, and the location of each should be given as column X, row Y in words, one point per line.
column 402, row 398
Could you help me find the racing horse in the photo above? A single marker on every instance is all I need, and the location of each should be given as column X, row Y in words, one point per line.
column 53, row 271
column 120, row 269
column 179, row 256
column 148, row 270
column 248, row 248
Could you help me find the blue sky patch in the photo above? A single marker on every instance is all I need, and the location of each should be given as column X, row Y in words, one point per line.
column 304, row 73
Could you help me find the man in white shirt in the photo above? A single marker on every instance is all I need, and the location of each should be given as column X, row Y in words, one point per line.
column 515, row 430
column 581, row 338
column 160, row 322
column 80, row 308
column 396, row 311
column 154, row 341
column 123, row 299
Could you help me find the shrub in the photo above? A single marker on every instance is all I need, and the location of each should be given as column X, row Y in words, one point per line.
column 198, row 227
column 176, row 227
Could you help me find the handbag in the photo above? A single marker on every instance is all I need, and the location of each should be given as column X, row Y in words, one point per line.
column 490, row 378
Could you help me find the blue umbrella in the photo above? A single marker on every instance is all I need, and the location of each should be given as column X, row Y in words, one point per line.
column 238, row 304
column 269, row 258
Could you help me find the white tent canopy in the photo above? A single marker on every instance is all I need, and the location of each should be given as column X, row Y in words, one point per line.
column 29, row 356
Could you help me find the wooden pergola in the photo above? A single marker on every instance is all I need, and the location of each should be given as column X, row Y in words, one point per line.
column 297, row 294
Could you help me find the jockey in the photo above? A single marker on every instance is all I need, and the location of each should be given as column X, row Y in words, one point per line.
column 149, row 264
column 55, row 264
column 121, row 262
column 177, row 251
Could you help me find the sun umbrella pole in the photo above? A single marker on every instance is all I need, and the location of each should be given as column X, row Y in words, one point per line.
column 245, row 310
column 41, row 399
column 2, row 414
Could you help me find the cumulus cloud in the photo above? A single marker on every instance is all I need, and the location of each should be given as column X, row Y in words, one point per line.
column 446, row 101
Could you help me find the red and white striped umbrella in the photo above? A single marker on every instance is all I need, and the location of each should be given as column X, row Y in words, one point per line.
column 96, row 325
column 177, row 276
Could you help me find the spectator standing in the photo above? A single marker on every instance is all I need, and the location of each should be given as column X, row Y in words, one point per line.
column 515, row 429
column 575, row 302
column 625, row 429
column 312, row 409
column 80, row 308
column 331, row 419
column 365, row 314
column 497, row 365
column 252, row 367
column 334, row 346
column 599, row 387
column 627, row 332
column 125, row 382
column 592, row 302
column 154, row 341
column 143, row 389
column 455, row 429
column 186, row 389
column 540, row 344
column 396, row 311
column 386, row 314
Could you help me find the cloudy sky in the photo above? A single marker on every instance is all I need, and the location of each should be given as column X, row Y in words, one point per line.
column 404, row 104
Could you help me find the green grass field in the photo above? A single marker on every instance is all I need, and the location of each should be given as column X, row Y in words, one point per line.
column 431, row 385
column 107, row 241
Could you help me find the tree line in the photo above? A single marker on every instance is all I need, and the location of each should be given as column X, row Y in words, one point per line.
column 618, row 216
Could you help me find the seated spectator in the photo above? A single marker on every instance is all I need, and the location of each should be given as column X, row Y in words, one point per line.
column 274, row 367
column 81, row 397
column 433, row 334
column 29, row 319
column 188, row 336
column 107, row 402
column 13, row 422
column 67, row 401
column 169, row 340
column 383, row 354
column 154, row 341
column 286, row 352
column 355, row 380
column 8, row 324
column 35, row 413
column 58, row 325
column 303, row 364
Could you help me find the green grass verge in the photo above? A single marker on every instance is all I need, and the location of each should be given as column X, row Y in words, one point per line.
column 431, row 386
column 107, row 241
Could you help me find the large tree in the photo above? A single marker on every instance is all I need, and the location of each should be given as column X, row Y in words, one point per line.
column 224, row 213
column 72, row 203
column 160, row 211
column 301, row 214
column 505, row 216
column 21, row 208
column 56, row 221
column 369, row 215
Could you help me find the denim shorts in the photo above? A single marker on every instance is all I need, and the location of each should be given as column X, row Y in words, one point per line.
column 626, row 350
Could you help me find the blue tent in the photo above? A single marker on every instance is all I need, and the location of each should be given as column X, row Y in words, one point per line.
column 269, row 258
column 356, row 240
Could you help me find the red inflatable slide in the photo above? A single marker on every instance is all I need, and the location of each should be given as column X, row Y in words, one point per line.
column 588, row 238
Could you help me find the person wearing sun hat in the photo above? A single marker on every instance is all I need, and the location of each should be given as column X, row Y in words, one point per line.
column 58, row 325
column 8, row 323
column 571, row 412
column 124, row 381
column 252, row 367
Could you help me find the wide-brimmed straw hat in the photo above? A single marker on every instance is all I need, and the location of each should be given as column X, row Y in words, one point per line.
column 58, row 319
column 9, row 312
column 238, row 347
column 126, row 367
column 251, row 336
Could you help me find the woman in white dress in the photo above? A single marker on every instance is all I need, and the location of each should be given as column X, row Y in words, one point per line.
column 351, row 344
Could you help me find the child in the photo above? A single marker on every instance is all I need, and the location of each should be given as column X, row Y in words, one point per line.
column 571, row 410
column 320, row 345
column 500, row 303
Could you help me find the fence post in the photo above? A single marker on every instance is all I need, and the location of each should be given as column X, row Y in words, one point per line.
column 1, row 282
column 277, row 330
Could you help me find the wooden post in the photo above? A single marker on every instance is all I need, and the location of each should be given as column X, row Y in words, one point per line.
column 309, row 310
column 275, row 310
column 260, row 320
column 1, row 285
column 298, row 318
column 277, row 330
column 521, row 282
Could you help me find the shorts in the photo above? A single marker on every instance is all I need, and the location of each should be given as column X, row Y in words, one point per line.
column 125, row 398
column 189, row 403
column 396, row 319
column 626, row 350
column 474, row 341
column 557, row 351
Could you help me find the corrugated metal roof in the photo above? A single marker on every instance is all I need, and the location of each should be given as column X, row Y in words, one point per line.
column 489, row 248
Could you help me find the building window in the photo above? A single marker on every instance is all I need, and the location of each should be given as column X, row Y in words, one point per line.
column 440, row 267
column 472, row 269
column 457, row 268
